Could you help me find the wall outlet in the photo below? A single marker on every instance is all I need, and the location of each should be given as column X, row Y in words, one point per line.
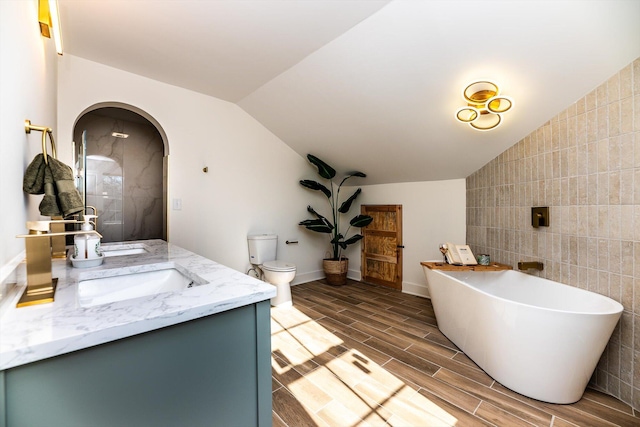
column 177, row 204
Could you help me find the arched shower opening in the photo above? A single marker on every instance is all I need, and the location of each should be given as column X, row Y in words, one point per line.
column 120, row 154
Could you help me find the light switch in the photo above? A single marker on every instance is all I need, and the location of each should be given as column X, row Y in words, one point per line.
column 177, row 204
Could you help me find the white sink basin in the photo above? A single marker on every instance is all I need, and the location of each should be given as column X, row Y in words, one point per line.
column 105, row 290
column 109, row 251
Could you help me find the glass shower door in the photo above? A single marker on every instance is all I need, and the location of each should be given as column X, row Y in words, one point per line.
column 99, row 179
column 80, row 153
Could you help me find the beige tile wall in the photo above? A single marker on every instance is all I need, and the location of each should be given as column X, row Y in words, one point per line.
column 585, row 165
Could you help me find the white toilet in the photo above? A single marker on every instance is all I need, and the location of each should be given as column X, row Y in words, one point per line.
column 262, row 255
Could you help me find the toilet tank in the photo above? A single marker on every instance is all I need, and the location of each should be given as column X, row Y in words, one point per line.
column 262, row 248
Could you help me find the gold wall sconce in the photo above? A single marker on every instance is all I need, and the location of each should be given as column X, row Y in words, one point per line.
column 484, row 107
column 49, row 20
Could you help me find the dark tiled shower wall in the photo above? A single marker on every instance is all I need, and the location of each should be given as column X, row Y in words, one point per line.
column 124, row 176
column 585, row 165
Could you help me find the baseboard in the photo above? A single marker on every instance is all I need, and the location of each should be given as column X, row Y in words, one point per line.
column 354, row 275
column 307, row 277
column 418, row 289
column 319, row 275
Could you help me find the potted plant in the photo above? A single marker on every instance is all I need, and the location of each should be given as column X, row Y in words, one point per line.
column 336, row 266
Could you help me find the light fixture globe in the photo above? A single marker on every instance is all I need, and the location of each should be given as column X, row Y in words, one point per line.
column 467, row 114
column 486, row 121
column 484, row 105
column 479, row 92
column 499, row 104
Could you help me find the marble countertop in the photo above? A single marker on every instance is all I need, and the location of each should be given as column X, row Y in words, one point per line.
column 29, row 334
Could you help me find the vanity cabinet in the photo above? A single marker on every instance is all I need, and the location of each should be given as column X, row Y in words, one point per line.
column 212, row 371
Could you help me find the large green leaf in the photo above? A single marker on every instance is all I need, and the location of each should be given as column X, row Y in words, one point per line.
column 346, row 205
column 324, row 170
column 351, row 240
column 361, row 221
column 350, row 174
column 313, row 185
column 313, row 211
column 320, row 225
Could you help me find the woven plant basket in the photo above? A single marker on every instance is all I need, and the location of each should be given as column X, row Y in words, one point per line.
column 335, row 271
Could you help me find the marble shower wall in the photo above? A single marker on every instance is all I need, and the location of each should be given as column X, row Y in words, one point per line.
column 124, row 176
column 585, row 165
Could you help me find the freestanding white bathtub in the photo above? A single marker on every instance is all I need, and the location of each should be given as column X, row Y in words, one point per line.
column 537, row 337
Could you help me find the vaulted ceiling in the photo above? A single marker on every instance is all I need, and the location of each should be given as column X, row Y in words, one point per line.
column 369, row 84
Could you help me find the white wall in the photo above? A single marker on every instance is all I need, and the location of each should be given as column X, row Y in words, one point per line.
column 433, row 213
column 252, row 183
column 28, row 87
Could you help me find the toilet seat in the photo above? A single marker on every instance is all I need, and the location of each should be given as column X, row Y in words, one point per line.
column 278, row 266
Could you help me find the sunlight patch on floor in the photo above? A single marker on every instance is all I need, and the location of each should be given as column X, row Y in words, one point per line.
column 341, row 385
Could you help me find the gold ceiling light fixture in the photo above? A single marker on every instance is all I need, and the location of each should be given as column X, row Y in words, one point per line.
column 49, row 20
column 484, row 106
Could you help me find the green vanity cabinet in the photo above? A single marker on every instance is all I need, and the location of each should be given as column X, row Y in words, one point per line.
column 212, row 371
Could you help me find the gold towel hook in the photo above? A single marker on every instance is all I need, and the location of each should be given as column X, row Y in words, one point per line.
column 28, row 127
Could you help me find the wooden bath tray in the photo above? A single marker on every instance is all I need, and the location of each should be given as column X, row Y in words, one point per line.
column 494, row 266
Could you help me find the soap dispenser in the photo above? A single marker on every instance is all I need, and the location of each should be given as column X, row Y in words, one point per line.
column 87, row 246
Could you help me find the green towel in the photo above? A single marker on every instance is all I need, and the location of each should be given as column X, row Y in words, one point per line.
column 55, row 181
column 69, row 198
column 49, row 204
column 33, row 182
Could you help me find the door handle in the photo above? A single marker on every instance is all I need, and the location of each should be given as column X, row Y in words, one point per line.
column 400, row 246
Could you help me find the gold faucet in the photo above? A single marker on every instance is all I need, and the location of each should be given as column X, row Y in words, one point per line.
column 41, row 286
column 533, row 264
column 58, row 243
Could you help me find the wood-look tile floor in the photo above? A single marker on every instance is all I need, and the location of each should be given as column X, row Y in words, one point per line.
column 364, row 355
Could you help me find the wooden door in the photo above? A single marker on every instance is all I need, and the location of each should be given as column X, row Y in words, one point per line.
column 382, row 246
